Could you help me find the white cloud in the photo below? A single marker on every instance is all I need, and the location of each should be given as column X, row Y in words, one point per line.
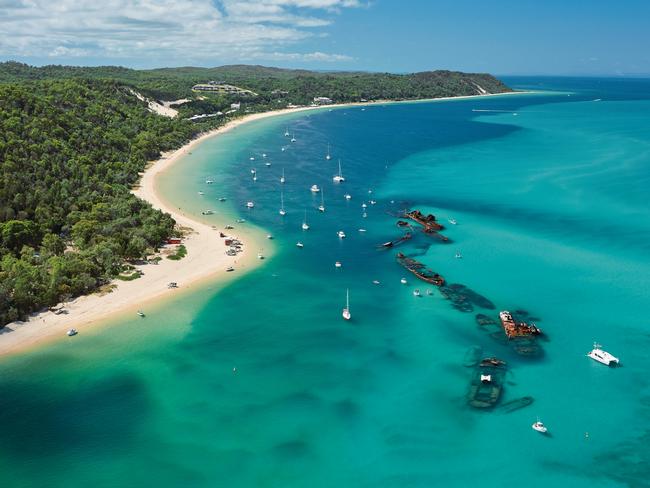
column 172, row 31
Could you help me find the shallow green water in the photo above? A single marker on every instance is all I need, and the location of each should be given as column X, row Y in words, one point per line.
column 553, row 218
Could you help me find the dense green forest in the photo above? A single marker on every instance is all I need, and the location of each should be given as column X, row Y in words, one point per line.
column 69, row 152
column 302, row 86
column 73, row 140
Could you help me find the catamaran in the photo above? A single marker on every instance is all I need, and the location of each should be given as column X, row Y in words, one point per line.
column 321, row 207
column 339, row 177
column 305, row 225
column 282, row 211
column 598, row 354
column 328, row 157
column 346, row 311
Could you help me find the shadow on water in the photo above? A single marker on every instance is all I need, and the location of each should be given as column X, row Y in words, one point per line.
column 103, row 414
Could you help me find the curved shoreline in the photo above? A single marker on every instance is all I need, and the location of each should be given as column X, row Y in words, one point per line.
column 206, row 260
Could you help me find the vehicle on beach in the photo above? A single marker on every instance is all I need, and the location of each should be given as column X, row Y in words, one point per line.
column 72, row 332
column 140, row 313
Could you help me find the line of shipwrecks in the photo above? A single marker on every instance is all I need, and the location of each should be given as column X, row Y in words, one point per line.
column 487, row 382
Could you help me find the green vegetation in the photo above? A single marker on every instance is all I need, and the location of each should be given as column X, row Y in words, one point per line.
column 180, row 253
column 73, row 141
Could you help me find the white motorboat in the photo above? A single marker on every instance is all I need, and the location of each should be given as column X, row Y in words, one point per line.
column 341, row 234
column 305, row 225
column 403, row 281
column 458, row 255
column 373, row 202
column 597, row 354
column 72, row 332
column 338, row 264
column 300, row 244
column 416, row 293
column 339, row 177
column 328, row 157
column 452, row 221
column 540, row 427
column 362, row 230
column 375, row 282
column 284, row 149
column 347, row 196
column 250, row 204
column 267, row 164
column 269, row 236
column 314, row 189
column 346, row 311
column 200, row 193
column 222, row 199
column 253, row 171
column 263, row 155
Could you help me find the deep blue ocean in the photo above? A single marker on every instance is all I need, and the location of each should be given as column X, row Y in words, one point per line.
column 261, row 383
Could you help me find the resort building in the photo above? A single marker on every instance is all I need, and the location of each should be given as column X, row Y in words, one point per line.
column 223, row 88
column 322, row 101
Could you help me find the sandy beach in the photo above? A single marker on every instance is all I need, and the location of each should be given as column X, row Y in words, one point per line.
column 205, row 261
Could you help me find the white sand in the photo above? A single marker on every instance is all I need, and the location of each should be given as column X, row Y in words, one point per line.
column 205, row 260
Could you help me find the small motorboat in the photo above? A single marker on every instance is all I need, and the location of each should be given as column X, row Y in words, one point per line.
column 403, row 281
column 267, row 164
column 347, row 196
column 140, row 313
column 375, row 282
column 373, row 202
column 72, row 332
column 597, row 354
column 338, row 264
column 250, row 204
column 269, row 236
column 201, row 193
column 314, row 189
column 416, row 293
column 341, row 234
column 362, row 230
column 284, row 149
column 253, row 171
column 452, row 221
column 540, row 427
column 458, row 255
column 300, row 244
column 222, row 199
column 263, row 155
column 240, row 221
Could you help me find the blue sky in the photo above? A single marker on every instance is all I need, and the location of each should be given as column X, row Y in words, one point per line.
column 571, row 37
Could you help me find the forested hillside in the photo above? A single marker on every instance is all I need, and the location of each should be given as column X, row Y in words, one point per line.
column 69, row 152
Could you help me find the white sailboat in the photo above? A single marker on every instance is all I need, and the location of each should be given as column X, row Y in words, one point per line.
column 339, row 177
column 321, row 207
column 282, row 177
column 293, row 138
column 346, row 311
column 328, row 157
column 305, row 225
column 282, row 211
column 286, row 132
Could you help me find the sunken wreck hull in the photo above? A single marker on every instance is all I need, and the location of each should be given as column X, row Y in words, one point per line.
column 487, row 383
column 420, row 270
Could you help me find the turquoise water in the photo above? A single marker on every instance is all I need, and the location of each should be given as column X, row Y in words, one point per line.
column 553, row 218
